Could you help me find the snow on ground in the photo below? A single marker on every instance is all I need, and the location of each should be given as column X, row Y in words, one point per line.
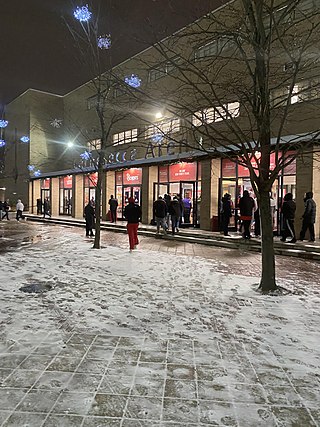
column 255, row 359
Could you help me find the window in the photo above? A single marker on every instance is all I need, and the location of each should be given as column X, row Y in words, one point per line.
column 214, row 48
column 164, row 128
column 164, row 68
column 94, row 144
column 125, row 137
column 287, row 14
column 216, row 114
column 302, row 91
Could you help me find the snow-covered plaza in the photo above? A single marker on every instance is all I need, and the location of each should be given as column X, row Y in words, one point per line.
column 153, row 337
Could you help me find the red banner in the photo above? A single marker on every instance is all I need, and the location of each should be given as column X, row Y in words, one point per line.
column 91, row 180
column 228, row 168
column 183, row 172
column 163, row 174
column 132, row 176
column 67, row 181
column 45, row 183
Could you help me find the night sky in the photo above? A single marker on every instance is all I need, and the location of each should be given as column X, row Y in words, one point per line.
column 38, row 50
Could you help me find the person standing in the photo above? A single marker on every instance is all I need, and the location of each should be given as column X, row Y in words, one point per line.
column 187, row 206
column 46, row 208
column 39, row 206
column 1, row 210
column 113, row 203
column 160, row 211
column 175, row 212
column 226, row 212
column 246, row 205
column 6, row 208
column 309, row 217
column 19, row 209
column 89, row 215
column 132, row 213
column 288, row 213
column 167, row 199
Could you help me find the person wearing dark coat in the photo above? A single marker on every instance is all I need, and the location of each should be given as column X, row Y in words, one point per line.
column 132, row 214
column 89, row 215
column 46, row 208
column 167, row 199
column 6, row 208
column 288, row 213
column 113, row 203
column 246, row 206
column 175, row 212
column 309, row 217
column 226, row 212
column 160, row 211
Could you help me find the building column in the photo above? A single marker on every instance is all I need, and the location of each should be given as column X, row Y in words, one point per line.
column 78, row 197
column 316, row 189
column 210, row 174
column 54, row 202
column 109, row 190
column 304, row 171
column 149, row 177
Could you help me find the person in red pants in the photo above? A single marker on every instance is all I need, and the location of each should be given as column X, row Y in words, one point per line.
column 132, row 213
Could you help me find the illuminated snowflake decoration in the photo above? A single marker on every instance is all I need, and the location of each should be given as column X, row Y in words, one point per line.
column 37, row 173
column 25, row 138
column 31, row 168
column 133, row 81
column 85, row 156
column 82, row 13
column 157, row 138
column 104, row 42
column 2, row 143
column 3, row 123
column 56, row 123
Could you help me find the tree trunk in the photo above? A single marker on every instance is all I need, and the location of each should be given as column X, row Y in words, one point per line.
column 268, row 276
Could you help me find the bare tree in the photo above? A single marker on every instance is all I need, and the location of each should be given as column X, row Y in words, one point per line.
column 234, row 77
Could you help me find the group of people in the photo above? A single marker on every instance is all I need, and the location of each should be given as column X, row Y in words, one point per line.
column 249, row 210
column 44, row 208
column 166, row 208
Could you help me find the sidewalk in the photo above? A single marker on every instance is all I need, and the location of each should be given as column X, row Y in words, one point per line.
column 151, row 338
column 306, row 250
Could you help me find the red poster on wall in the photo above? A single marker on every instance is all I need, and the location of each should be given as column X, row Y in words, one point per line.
column 91, row 180
column 228, row 168
column 132, row 176
column 67, row 181
column 45, row 184
column 183, row 172
column 163, row 174
column 244, row 172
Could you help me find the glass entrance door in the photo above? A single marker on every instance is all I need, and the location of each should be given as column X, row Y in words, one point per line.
column 188, row 194
column 66, row 202
column 229, row 185
column 132, row 191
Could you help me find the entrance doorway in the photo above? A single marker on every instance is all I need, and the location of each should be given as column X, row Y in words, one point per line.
column 66, row 202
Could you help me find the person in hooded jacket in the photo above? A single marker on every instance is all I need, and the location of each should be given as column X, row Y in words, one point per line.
column 309, row 217
column 175, row 212
column 160, row 211
column 246, row 206
column 288, row 213
column 132, row 213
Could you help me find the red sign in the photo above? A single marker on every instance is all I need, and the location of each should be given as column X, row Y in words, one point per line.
column 163, row 174
column 119, row 178
column 183, row 172
column 45, row 183
column 132, row 176
column 243, row 171
column 67, row 181
column 91, row 180
column 228, row 168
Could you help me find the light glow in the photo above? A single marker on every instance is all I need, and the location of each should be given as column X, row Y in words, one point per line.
column 85, row 156
column 2, row 143
column 37, row 173
column 25, row 138
column 133, row 81
column 104, row 42
column 82, row 13
column 3, row 123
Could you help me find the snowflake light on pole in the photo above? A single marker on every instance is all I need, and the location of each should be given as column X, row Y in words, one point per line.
column 31, row 168
column 104, row 42
column 2, row 143
column 37, row 173
column 82, row 13
column 25, row 138
column 56, row 123
column 85, row 156
column 3, row 123
column 133, row 81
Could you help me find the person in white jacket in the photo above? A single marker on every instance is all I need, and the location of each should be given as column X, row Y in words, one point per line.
column 19, row 209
